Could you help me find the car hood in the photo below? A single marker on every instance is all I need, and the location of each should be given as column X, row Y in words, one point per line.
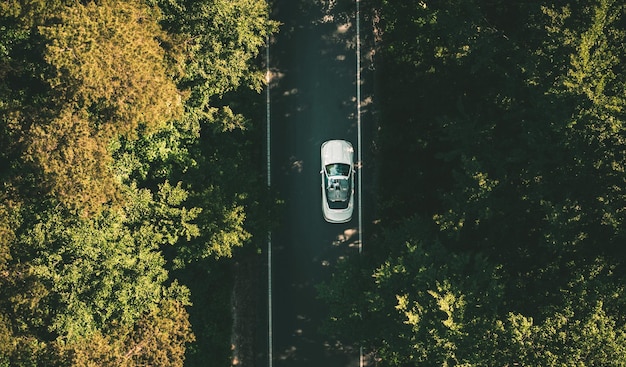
column 337, row 151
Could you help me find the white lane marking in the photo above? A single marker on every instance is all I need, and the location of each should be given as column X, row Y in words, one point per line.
column 267, row 109
column 270, row 326
column 361, row 357
column 360, row 143
column 358, row 117
column 270, row 342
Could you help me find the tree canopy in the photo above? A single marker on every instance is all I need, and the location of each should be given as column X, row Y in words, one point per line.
column 113, row 117
column 502, row 241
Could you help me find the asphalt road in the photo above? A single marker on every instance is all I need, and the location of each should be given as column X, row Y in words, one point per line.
column 313, row 99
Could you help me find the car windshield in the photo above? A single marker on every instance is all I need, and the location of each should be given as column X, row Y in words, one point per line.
column 338, row 169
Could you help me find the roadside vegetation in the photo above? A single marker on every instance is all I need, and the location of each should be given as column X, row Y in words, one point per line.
column 129, row 133
column 502, row 242
column 128, row 177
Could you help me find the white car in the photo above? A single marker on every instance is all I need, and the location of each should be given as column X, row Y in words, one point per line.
column 337, row 181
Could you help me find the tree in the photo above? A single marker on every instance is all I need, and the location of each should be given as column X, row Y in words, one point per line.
column 158, row 339
column 110, row 61
column 426, row 305
column 114, row 117
column 508, row 137
column 120, row 253
column 92, row 72
column 224, row 39
column 75, row 283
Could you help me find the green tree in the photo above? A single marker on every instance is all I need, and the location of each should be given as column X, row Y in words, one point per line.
column 112, row 77
column 119, row 251
column 507, row 136
column 158, row 338
column 83, row 76
column 224, row 39
column 76, row 282
column 423, row 305
column 103, row 105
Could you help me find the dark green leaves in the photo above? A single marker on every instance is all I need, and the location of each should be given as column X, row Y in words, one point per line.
column 503, row 125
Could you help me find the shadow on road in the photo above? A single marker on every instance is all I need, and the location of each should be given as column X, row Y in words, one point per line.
column 313, row 94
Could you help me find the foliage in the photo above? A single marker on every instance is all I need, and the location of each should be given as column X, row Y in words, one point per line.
column 110, row 61
column 427, row 305
column 505, row 134
column 158, row 338
column 115, row 120
column 224, row 38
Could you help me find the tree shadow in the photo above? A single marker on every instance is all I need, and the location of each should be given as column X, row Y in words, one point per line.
column 313, row 99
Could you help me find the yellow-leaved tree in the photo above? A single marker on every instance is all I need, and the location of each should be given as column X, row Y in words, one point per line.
column 112, row 77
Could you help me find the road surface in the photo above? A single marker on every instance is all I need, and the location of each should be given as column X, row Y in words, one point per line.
column 313, row 99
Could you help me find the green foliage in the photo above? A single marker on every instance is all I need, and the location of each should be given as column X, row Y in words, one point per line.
column 505, row 136
column 425, row 305
column 94, row 273
column 8, row 223
column 73, row 160
column 31, row 13
column 96, row 71
column 110, row 61
column 73, row 279
column 233, row 39
column 114, row 117
column 158, row 338
column 588, row 337
column 223, row 39
column 175, row 153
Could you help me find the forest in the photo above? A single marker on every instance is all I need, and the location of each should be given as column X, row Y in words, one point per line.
column 128, row 174
column 503, row 241
column 130, row 132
